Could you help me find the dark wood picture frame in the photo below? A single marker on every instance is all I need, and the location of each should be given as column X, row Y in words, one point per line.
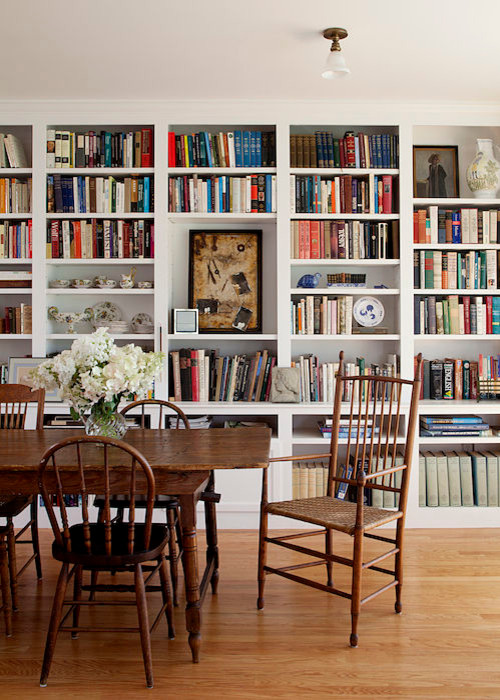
column 438, row 179
column 225, row 280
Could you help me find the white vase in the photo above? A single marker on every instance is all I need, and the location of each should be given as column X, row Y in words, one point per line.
column 483, row 173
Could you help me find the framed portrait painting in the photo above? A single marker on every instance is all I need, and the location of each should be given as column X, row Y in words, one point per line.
column 435, row 171
column 225, row 280
column 19, row 373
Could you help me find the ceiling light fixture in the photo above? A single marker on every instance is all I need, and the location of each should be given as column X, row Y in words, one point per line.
column 335, row 66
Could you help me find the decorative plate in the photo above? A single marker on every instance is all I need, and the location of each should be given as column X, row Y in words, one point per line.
column 141, row 320
column 106, row 311
column 368, row 311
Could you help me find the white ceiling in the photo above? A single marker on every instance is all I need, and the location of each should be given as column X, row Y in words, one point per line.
column 398, row 50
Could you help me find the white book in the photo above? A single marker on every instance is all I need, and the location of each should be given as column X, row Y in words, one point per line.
column 348, row 315
column 337, row 195
column 431, row 479
column 443, row 482
column 15, row 152
column 486, row 226
column 76, row 198
column 479, row 479
column 50, row 158
column 466, row 486
column 491, row 269
column 454, row 479
column 274, row 194
column 433, row 216
column 248, row 206
column 473, row 227
column 422, row 491
column 461, row 319
column 230, row 145
column 493, row 226
column 371, row 188
column 66, row 239
column 492, row 478
column 465, row 225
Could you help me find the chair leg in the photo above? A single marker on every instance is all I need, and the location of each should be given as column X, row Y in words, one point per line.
column 77, row 595
column 4, row 582
column 398, row 568
column 357, row 570
column 167, row 599
column 172, row 551
column 262, row 555
column 55, row 620
column 34, row 537
column 329, row 550
column 11, row 550
column 142, row 613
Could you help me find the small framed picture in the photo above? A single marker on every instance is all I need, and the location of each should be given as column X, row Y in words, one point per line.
column 19, row 373
column 185, row 321
column 435, row 171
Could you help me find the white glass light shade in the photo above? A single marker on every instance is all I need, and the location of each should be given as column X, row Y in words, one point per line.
column 335, row 66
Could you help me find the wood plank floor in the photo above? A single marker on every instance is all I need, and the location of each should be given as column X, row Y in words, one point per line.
column 445, row 645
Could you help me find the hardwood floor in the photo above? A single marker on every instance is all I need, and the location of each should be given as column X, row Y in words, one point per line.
column 444, row 645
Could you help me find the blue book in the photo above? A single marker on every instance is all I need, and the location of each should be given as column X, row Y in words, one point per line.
column 259, row 367
column 328, row 149
column 375, row 187
column 455, row 228
column 320, row 155
column 495, row 315
column 208, row 150
column 203, row 150
column 238, row 149
column 252, row 149
column 449, row 420
column 81, row 193
column 221, row 193
column 223, row 378
column 107, row 150
column 147, row 193
column 209, row 195
column 269, row 194
column 416, row 314
column 18, row 241
column 246, row 149
column 258, row 149
column 190, row 150
column 379, row 150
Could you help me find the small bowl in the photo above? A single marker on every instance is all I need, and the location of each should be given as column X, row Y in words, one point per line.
column 82, row 284
column 145, row 285
column 107, row 284
column 60, row 284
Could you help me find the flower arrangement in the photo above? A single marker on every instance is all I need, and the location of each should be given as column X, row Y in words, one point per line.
column 95, row 374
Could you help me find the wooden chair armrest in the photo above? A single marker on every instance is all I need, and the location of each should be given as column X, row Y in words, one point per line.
column 298, row 458
column 383, row 472
column 210, row 497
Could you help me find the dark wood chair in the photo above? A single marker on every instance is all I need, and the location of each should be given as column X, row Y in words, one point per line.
column 14, row 400
column 168, row 503
column 374, row 430
column 105, row 545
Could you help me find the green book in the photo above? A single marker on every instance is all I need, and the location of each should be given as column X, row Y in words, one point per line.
column 492, row 478
column 446, row 316
column 442, row 477
column 479, row 479
column 465, row 461
column 431, row 479
column 422, row 491
column 454, row 479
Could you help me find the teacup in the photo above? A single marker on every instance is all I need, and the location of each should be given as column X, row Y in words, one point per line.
column 108, row 284
column 80, row 283
column 100, row 279
column 145, row 284
column 60, row 284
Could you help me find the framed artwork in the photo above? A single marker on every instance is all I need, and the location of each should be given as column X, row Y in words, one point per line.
column 185, row 321
column 19, row 373
column 225, row 280
column 435, row 171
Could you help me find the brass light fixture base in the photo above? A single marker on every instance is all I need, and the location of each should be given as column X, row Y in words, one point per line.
column 335, row 35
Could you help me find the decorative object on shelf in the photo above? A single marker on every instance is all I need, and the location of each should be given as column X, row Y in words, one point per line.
column 368, row 311
column 285, row 385
column 102, row 282
column 59, row 284
column 81, row 284
column 309, row 281
column 70, row 317
column 483, row 173
column 185, row 321
column 345, row 279
column 19, row 372
column 225, row 280
column 128, row 281
column 142, row 323
column 118, row 327
column 145, row 284
column 104, row 312
column 335, row 66
column 94, row 375
column 435, row 171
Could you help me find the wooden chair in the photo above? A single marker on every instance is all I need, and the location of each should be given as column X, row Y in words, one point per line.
column 373, row 433
column 106, row 545
column 168, row 503
column 14, row 400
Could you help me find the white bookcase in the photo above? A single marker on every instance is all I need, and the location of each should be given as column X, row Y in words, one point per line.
column 294, row 425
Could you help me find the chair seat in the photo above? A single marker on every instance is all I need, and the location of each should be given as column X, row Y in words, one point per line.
column 122, row 501
column 13, row 505
column 332, row 513
column 119, row 545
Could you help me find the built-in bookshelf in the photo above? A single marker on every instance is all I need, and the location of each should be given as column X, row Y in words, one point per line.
column 332, row 193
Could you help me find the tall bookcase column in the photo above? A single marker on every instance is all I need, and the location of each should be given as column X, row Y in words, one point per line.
column 405, row 249
column 283, row 244
column 162, row 263
column 39, row 198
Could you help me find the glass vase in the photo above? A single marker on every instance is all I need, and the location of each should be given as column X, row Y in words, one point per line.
column 106, row 424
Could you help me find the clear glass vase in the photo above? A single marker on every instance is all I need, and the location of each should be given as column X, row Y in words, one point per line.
column 105, row 424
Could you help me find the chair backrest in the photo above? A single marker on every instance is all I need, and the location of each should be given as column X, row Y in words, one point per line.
column 163, row 408
column 375, row 435
column 14, row 400
column 83, row 466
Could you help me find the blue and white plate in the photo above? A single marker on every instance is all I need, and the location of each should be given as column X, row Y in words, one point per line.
column 368, row 311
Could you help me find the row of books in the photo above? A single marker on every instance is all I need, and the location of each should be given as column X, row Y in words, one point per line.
column 314, row 194
column 463, row 478
column 377, row 498
column 454, row 315
column 224, row 149
column 15, row 195
column 100, row 238
column 103, row 149
column 437, row 225
column 250, row 194
column 12, row 153
column 17, row 319
column 454, row 426
column 309, row 479
column 352, row 240
column 346, row 279
column 450, row 379
column 204, row 375
column 317, row 379
column 356, row 431
column 322, row 315
column 16, row 239
column 323, row 150
column 85, row 195
column 436, row 269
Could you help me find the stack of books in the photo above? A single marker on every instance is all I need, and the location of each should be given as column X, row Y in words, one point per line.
column 230, row 149
column 16, row 239
column 12, row 153
column 15, row 195
column 100, row 238
column 354, row 240
column 323, row 150
column 254, row 194
column 17, row 319
column 99, row 195
column 194, row 423
column 470, row 478
column 437, row 225
column 436, row 269
column 454, row 315
column 104, row 149
column 16, row 278
column 309, row 479
column 356, row 431
column 314, row 194
column 454, row 426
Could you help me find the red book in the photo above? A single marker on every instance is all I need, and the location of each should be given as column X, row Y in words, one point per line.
column 126, row 240
column 91, row 149
column 77, row 233
column 362, row 154
column 269, row 377
column 30, row 239
column 171, row 150
column 467, row 315
column 54, row 237
column 349, row 209
column 147, row 148
column 195, row 376
column 226, row 150
column 489, row 314
column 350, row 149
column 342, row 153
column 387, row 194
column 342, row 194
column 334, row 240
column 422, row 232
column 94, row 238
column 415, row 227
column 315, row 245
column 254, row 195
column 321, row 239
column 185, row 193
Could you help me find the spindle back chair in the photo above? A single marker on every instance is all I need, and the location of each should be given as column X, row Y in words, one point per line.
column 80, row 466
column 364, row 465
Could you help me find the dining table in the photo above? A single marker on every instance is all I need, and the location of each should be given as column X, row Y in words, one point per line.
column 182, row 462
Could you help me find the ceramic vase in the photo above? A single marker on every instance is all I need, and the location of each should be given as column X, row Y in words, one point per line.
column 483, row 173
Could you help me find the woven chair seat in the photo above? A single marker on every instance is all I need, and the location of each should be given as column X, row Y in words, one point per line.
column 332, row 513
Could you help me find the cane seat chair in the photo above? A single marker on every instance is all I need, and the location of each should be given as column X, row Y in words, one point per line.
column 14, row 400
column 104, row 545
column 368, row 463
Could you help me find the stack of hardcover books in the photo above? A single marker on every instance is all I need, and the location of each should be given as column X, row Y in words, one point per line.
column 454, row 426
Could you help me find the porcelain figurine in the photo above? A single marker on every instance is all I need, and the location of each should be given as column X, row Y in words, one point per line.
column 309, row 281
column 128, row 281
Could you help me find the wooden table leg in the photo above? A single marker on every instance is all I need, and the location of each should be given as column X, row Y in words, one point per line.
column 211, row 534
column 190, row 565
